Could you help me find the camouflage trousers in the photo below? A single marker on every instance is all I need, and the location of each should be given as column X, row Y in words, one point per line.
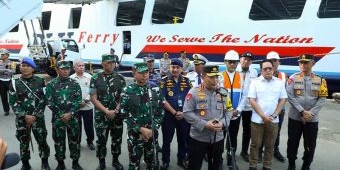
column 59, row 131
column 137, row 146
column 23, row 134
column 103, row 127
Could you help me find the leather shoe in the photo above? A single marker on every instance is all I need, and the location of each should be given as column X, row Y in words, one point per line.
column 76, row 166
column 291, row 167
column 245, row 156
column 183, row 164
column 6, row 113
column 252, row 168
column 279, row 156
column 116, row 164
column 91, row 146
column 165, row 166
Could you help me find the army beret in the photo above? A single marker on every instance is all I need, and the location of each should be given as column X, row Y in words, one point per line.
column 108, row 58
column 176, row 61
column 63, row 64
column 140, row 67
column 29, row 62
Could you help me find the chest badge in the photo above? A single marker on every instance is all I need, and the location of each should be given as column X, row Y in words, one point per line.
column 170, row 93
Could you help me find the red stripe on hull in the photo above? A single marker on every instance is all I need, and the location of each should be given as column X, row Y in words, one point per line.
column 256, row 50
column 11, row 46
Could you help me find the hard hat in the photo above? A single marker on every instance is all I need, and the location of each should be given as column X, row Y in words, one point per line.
column 273, row 55
column 231, row 56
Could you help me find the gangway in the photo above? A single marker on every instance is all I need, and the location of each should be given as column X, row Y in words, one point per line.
column 13, row 11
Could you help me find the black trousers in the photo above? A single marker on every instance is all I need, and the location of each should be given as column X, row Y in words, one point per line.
column 198, row 149
column 246, row 119
column 4, row 87
column 309, row 130
column 87, row 116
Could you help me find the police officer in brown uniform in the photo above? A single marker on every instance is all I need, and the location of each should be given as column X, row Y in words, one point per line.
column 203, row 109
column 307, row 94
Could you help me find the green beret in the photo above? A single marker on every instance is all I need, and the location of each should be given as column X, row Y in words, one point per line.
column 63, row 64
column 108, row 58
column 140, row 67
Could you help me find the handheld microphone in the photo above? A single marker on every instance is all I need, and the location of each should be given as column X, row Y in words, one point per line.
column 10, row 160
column 222, row 91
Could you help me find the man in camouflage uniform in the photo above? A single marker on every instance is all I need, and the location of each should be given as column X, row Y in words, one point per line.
column 27, row 99
column 136, row 110
column 64, row 99
column 105, row 89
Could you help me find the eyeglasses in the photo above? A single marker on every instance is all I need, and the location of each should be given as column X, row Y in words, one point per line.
column 267, row 69
column 230, row 61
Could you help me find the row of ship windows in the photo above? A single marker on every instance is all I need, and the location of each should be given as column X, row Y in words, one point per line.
column 173, row 12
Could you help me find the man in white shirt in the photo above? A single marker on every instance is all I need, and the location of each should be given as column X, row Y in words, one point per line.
column 267, row 95
column 195, row 76
column 248, row 74
column 86, row 110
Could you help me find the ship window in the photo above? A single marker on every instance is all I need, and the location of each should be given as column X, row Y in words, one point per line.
column 127, row 42
column 15, row 29
column 46, row 20
column 75, row 18
column 276, row 9
column 329, row 9
column 169, row 11
column 130, row 13
column 70, row 44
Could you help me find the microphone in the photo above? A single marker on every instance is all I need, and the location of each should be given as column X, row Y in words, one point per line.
column 10, row 160
column 222, row 91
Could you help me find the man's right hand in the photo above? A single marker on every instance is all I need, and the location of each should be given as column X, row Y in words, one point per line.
column 214, row 126
column 267, row 119
column 110, row 114
column 29, row 119
column 146, row 133
column 308, row 115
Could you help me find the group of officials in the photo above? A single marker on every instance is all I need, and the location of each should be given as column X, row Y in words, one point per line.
column 194, row 104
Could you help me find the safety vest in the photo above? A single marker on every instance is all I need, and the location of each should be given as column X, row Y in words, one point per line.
column 234, row 88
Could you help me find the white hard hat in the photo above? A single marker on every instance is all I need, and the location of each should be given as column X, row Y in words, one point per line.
column 273, row 55
column 231, row 56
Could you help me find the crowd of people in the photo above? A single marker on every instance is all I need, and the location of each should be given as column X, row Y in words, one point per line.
column 204, row 107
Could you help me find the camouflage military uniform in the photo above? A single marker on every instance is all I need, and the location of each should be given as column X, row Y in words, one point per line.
column 135, row 110
column 64, row 96
column 108, row 88
column 24, row 102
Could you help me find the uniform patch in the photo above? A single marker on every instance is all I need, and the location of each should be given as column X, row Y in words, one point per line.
column 202, row 113
column 290, row 80
column 189, row 96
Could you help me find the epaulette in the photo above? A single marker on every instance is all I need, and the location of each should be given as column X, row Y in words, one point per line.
column 317, row 75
